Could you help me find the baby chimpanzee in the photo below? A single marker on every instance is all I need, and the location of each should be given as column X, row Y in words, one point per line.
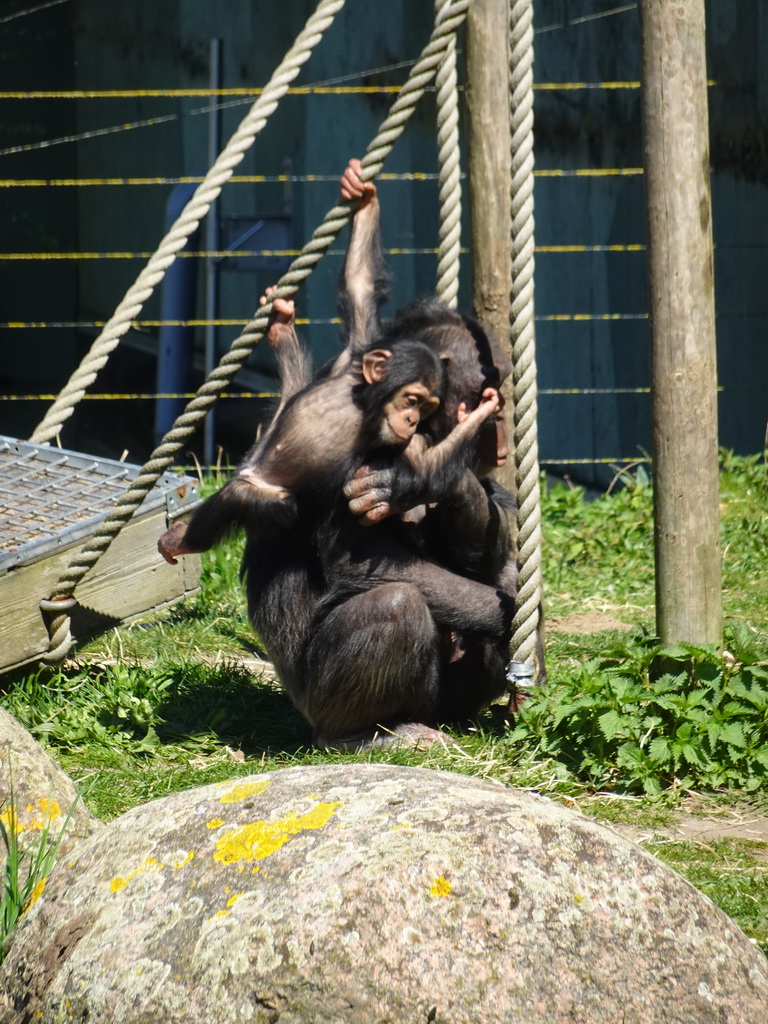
column 370, row 399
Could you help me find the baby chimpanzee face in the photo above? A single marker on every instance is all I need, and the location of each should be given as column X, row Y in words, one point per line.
column 403, row 412
column 401, row 386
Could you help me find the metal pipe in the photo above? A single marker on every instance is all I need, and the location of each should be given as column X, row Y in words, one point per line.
column 177, row 303
column 212, row 245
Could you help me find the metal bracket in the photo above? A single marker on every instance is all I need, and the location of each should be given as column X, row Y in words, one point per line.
column 520, row 674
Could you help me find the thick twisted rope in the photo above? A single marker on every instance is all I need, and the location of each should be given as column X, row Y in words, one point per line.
column 448, row 21
column 526, row 620
column 197, row 207
column 449, row 176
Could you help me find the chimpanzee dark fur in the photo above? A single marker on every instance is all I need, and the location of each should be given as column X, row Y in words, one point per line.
column 411, row 622
column 407, row 620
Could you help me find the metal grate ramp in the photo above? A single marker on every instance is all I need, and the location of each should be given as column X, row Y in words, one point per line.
column 51, row 501
column 51, row 497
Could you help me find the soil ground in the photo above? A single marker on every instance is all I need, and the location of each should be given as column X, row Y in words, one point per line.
column 732, row 823
column 584, row 622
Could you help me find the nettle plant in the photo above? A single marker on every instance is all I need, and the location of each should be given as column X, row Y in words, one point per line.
column 648, row 716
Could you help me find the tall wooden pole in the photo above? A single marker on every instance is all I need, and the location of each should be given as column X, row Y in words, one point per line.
column 681, row 284
column 488, row 148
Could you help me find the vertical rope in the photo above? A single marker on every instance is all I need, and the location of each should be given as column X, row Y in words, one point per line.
column 449, row 175
column 197, row 207
column 526, row 620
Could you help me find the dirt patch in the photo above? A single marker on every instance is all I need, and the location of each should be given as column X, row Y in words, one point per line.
column 584, row 622
column 733, row 824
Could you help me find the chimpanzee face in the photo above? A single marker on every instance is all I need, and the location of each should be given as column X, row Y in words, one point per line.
column 404, row 411
column 394, row 408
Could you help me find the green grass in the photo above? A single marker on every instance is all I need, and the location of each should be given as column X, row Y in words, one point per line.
column 733, row 873
column 624, row 729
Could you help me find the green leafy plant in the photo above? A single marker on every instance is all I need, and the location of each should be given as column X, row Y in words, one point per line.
column 583, row 538
column 26, row 867
column 647, row 717
column 115, row 704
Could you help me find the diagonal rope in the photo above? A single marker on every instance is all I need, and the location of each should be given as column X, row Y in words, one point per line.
column 188, row 220
column 449, row 177
column 526, row 620
column 448, row 20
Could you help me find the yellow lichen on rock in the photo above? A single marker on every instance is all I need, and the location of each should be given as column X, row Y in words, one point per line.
column 243, row 790
column 39, row 814
column 35, row 895
column 261, row 839
column 230, row 903
column 150, row 864
column 440, row 887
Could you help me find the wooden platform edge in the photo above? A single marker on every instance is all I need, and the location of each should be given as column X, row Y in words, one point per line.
column 129, row 581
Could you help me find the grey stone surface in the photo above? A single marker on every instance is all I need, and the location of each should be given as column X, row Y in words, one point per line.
column 373, row 893
column 42, row 791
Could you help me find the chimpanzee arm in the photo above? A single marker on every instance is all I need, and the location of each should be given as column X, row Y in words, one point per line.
column 471, row 531
column 364, row 276
column 294, row 364
column 238, row 505
column 293, row 360
column 210, row 522
column 433, row 463
column 423, row 475
column 469, row 525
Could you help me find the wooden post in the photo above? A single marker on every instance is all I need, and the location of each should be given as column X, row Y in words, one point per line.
column 681, row 286
column 488, row 148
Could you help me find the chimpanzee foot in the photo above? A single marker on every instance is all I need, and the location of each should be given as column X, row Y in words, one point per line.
column 405, row 734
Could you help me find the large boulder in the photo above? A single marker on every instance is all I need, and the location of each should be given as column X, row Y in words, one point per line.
column 35, row 792
column 372, row 893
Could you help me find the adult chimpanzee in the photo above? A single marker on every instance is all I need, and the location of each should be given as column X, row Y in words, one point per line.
column 403, row 624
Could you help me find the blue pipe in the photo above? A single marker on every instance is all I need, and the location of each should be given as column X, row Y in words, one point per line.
column 175, row 349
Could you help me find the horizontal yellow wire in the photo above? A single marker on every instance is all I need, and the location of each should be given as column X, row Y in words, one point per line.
column 190, row 254
column 594, row 391
column 261, row 179
column 105, row 397
column 592, row 462
column 590, row 172
column 284, row 253
column 194, row 254
column 108, row 397
column 600, row 391
column 569, row 317
column 294, row 90
column 113, row 94
column 634, row 247
column 574, row 86
column 195, row 179
column 73, row 324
